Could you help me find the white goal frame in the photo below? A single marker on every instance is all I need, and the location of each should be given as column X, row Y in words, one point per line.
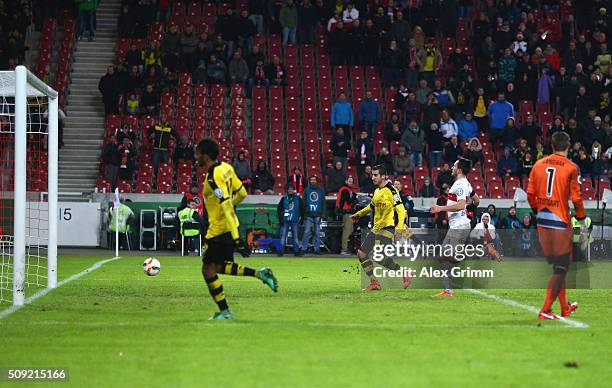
column 26, row 84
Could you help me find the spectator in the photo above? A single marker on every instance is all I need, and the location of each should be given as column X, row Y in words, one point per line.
column 134, row 80
column 507, row 165
column 530, row 131
column 441, row 218
column 255, row 56
column 150, row 100
column 335, row 178
column 527, row 162
column 411, row 70
column 452, row 151
column 468, row 128
column 245, row 29
column 545, row 84
column 427, row 190
column 226, row 28
column 392, row 62
column 585, row 163
column 384, row 158
column 369, row 113
column 434, row 145
column 87, row 9
column 499, row 112
column 275, row 72
column 401, row 96
column 307, row 21
column 484, row 232
column 288, row 19
column 429, row 60
column 350, row 13
column 257, row 10
column 127, row 155
column 393, row 129
column 133, row 57
column 445, row 177
column 203, row 50
column 402, row 163
column 170, row 47
column 126, row 132
column 507, row 67
column 511, row 221
column 342, row 113
column 365, row 181
column 364, row 151
column 242, row 168
column 200, row 74
column 601, row 167
column 216, row 70
column 480, row 110
column 238, row 69
column 522, row 149
column 508, row 135
column 413, row 139
column 345, row 198
column 493, row 213
column 183, row 152
column 110, row 157
column 314, row 198
column 423, row 91
column 339, row 43
column 258, row 76
column 263, row 181
column 151, row 57
column 110, row 88
column 160, row 135
column 371, row 39
column 290, row 211
column 594, row 133
column 187, row 43
column 132, row 105
column 448, row 126
column 444, row 96
column 340, row 146
column 297, row 179
column 126, row 22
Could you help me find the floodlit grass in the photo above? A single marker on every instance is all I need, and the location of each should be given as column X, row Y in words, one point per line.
column 117, row 327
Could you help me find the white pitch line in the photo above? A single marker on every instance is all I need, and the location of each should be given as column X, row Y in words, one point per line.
column 45, row 291
column 513, row 303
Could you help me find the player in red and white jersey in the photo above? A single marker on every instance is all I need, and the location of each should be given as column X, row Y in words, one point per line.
column 458, row 221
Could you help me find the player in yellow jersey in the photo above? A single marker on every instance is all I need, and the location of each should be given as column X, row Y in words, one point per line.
column 223, row 190
column 388, row 216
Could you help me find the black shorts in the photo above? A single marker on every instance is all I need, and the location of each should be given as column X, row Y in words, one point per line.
column 219, row 249
column 382, row 237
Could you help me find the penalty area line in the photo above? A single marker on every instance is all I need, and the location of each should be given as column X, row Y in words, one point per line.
column 45, row 291
column 513, row 303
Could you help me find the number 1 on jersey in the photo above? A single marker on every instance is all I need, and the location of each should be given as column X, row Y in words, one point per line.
column 550, row 171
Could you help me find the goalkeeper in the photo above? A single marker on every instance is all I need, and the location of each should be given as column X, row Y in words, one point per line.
column 389, row 215
column 223, row 190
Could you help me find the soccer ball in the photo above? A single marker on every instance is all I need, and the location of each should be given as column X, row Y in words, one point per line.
column 151, row 266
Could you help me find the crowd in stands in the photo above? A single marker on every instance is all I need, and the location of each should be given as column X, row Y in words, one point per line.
column 15, row 17
column 515, row 71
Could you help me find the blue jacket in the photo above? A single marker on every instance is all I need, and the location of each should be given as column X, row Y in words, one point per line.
column 315, row 201
column 467, row 129
column 342, row 114
column 290, row 208
column 499, row 113
column 369, row 111
column 509, row 163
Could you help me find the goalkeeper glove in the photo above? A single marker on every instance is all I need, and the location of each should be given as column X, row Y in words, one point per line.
column 242, row 248
column 584, row 235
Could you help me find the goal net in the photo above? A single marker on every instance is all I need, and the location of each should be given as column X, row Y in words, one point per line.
column 28, row 185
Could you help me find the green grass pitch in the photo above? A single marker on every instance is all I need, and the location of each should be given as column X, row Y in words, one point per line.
column 116, row 327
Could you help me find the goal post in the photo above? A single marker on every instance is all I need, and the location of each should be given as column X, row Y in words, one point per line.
column 29, row 187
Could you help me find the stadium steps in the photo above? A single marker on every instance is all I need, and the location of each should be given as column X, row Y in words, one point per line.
column 84, row 124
